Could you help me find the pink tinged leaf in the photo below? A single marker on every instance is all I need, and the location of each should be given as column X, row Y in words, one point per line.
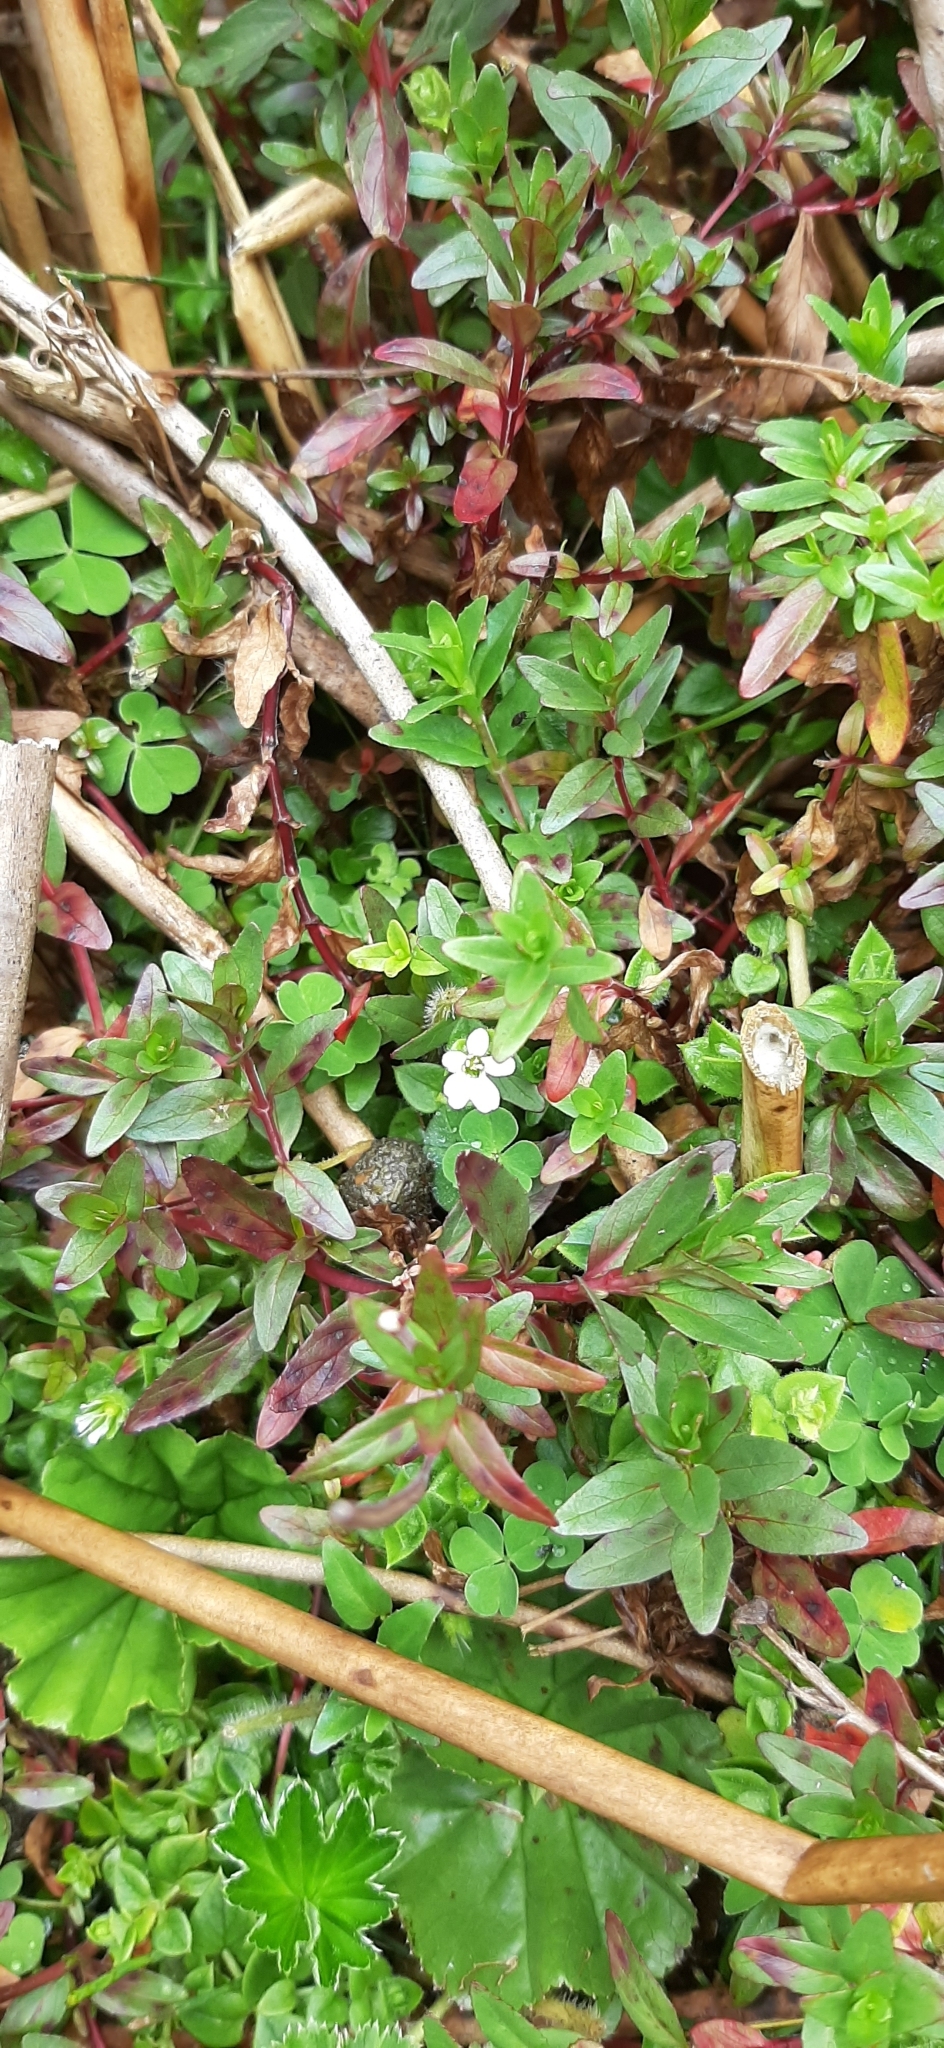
column 889, row 1530
column 800, row 1603
column 71, row 915
column 26, row 623
column 563, row 1164
column 734, row 2034
column 354, row 430
column 437, row 359
column 763, row 1950
column 566, row 1061
column 214, row 1366
column 227, row 1210
column 473, row 1448
column 483, row 486
column 916, row 1322
column 392, row 1433
column 483, row 405
column 789, row 630
column 379, row 160
column 889, row 1703
column 587, row 380
column 530, row 1422
column 7, row 1910
column 518, row 1366
column 381, row 1514
column 319, row 1367
column 344, row 320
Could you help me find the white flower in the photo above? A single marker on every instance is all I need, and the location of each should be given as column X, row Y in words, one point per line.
column 469, row 1068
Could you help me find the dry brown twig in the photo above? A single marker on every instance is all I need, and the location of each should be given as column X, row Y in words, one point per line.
column 27, row 773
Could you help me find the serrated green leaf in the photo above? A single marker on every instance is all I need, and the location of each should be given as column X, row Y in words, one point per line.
column 311, row 1887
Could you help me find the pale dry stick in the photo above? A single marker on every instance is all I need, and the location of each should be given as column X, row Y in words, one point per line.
column 302, row 1568
column 682, row 1817
column 293, row 214
column 73, row 232
column 27, row 773
column 96, row 153
column 773, row 1064
column 21, row 504
column 928, row 21
column 20, row 207
column 258, row 307
column 91, row 839
column 115, row 42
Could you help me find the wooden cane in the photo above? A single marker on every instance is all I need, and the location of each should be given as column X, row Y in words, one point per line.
column 681, row 1817
column 27, row 774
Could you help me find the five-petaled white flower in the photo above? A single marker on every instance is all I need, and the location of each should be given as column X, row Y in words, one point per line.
column 469, row 1068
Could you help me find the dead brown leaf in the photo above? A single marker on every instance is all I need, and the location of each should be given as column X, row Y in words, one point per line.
column 285, row 931
column 260, row 660
column 37, row 1843
column 655, row 926
column 592, row 456
column 294, row 706
column 263, row 863
column 222, row 642
column 624, row 67
column 793, row 329
column 242, row 802
column 529, row 492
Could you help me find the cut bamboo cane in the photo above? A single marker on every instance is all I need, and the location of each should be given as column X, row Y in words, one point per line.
column 683, row 1818
column 773, row 1064
column 259, row 309
column 119, row 67
column 29, row 243
column 100, row 169
column 27, row 773
column 309, row 204
column 73, row 233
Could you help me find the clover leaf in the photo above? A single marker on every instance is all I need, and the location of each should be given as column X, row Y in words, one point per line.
column 82, row 572
column 479, row 1550
column 156, row 771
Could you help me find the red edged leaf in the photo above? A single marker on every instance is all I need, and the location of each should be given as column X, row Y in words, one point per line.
column 318, row 1368
column 437, row 359
column 484, row 485
column 379, row 160
column 211, row 1368
column 884, row 689
column 801, row 1604
column 565, row 1062
column 916, row 1322
column 70, row 914
column 229, row 1211
column 518, row 1366
column 495, row 1204
column 703, row 830
column 480, row 402
column 24, row 622
column 473, row 1448
column 354, row 430
column 587, row 380
column 889, row 1703
column 563, row 1164
column 344, row 325
column 789, row 629
column 392, row 1433
column 381, row 1514
column 734, row 2034
column 765, row 1952
column 889, row 1530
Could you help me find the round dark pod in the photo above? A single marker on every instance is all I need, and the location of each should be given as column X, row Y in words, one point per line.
column 394, row 1174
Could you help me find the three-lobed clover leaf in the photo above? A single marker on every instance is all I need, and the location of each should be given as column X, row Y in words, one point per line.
column 80, row 571
column 157, row 767
column 312, row 1886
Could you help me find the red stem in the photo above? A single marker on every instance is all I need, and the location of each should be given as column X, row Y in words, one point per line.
column 85, row 976
column 119, row 640
column 660, row 884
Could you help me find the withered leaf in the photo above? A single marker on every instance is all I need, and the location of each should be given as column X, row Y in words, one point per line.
column 529, row 492
column 294, row 706
column 223, row 641
column 242, row 802
column 793, row 329
column 592, row 457
column 884, row 689
column 260, row 660
column 655, row 926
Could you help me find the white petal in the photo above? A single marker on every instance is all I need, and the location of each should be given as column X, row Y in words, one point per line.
column 478, row 1042
column 458, row 1090
column 498, row 1066
column 454, row 1060
column 483, row 1093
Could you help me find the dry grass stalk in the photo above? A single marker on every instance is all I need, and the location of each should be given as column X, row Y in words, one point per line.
column 119, row 67
column 73, row 233
column 25, row 229
column 773, row 1063
column 289, row 216
column 96, row 153
column 19, row 504
column 27, row 774
column 259, row 309
column 684, row 1818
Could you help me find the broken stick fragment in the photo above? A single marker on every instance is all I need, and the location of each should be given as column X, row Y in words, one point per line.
column 27, row 774
column 774, row 1068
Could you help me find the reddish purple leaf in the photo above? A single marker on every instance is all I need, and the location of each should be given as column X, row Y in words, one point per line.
column 319, row 1367
column 800, row 1603
column 229, row 1211
column 518, row 1366
column 889, row 1703
column 889, row 1530
column 437, row 359
column 766, row 1952
column 71, row 915
column 916, row 1322
column 212, row 1367
column 26, row 623
column 789, row 629
column 473, row 1448
column 379, row 161
column 154, row 1240
column 495, row 1204
column 7, row 1910
column 734, row 2034
column 345, row 332
column 586, row 380
column 484, row 485
column 354, row 430
column 381, row 1514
